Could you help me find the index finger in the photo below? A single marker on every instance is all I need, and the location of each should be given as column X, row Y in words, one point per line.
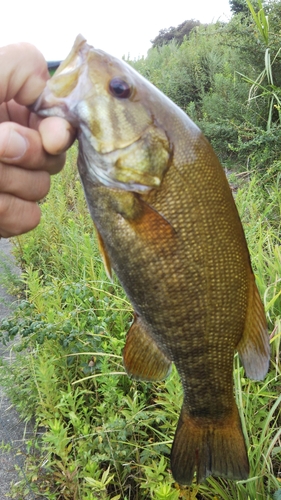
column 24, row 73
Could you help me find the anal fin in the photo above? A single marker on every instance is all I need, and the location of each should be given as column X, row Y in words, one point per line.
column 143, row 360
column 253, row 348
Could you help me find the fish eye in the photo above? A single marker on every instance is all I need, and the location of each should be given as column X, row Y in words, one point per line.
column 120, row 88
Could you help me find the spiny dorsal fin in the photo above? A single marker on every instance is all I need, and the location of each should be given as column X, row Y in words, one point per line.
column 253, row 348
column 143, row 360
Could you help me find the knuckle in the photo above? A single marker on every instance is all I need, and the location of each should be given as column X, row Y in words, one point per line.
column 2, row 175
column 57, row 163
column 41, row 184
column 6, row 205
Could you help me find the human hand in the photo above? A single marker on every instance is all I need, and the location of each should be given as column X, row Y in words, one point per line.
column 31, row 148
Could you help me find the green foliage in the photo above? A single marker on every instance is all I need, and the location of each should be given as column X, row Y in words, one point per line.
column 269, row 91
column 238, row 6
column 204, row 77
column 106, row 436
column 199, row 75
column 260, row 147
column 261, row 20
column 177, row 34
column 221, row 117
column 184, row 73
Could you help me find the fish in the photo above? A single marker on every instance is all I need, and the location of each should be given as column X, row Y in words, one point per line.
column 168, row 226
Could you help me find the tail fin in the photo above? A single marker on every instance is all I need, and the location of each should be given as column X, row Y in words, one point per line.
column 209, row 448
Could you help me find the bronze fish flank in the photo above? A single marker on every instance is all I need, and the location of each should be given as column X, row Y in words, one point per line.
column 168, row 226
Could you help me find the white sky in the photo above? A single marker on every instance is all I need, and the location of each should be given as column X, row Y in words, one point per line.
column 120, row 27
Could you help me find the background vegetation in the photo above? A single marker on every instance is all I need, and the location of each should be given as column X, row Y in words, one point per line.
column 106, row 436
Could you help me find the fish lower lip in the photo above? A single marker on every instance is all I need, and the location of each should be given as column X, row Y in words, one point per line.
column 54, row 111
column 48, row 105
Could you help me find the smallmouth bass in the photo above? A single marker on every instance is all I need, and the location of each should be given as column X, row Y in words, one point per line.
column 168, row 226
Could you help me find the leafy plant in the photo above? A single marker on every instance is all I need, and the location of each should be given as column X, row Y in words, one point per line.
column 269, row 91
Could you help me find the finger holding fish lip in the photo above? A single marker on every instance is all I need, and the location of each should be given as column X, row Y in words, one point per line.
column 57, row 134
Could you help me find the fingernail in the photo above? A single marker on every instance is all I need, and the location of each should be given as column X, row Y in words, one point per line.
column 16, row 146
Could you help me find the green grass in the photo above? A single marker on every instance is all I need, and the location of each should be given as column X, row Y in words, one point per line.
column 108, row 437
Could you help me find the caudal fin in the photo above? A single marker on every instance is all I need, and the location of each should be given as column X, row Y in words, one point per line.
column 209, row 448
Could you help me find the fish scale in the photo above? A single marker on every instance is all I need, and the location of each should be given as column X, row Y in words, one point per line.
column 168, row 226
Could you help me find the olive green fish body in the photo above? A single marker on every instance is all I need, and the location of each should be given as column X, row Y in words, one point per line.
column 179, row 264
column 168, row 226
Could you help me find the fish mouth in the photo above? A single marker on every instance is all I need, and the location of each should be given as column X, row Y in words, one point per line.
column 62, row 91
column 46, row 107
column 48, row 104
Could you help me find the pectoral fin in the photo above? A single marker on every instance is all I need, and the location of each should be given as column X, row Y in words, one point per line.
column 142, row 357
column 253, row 348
